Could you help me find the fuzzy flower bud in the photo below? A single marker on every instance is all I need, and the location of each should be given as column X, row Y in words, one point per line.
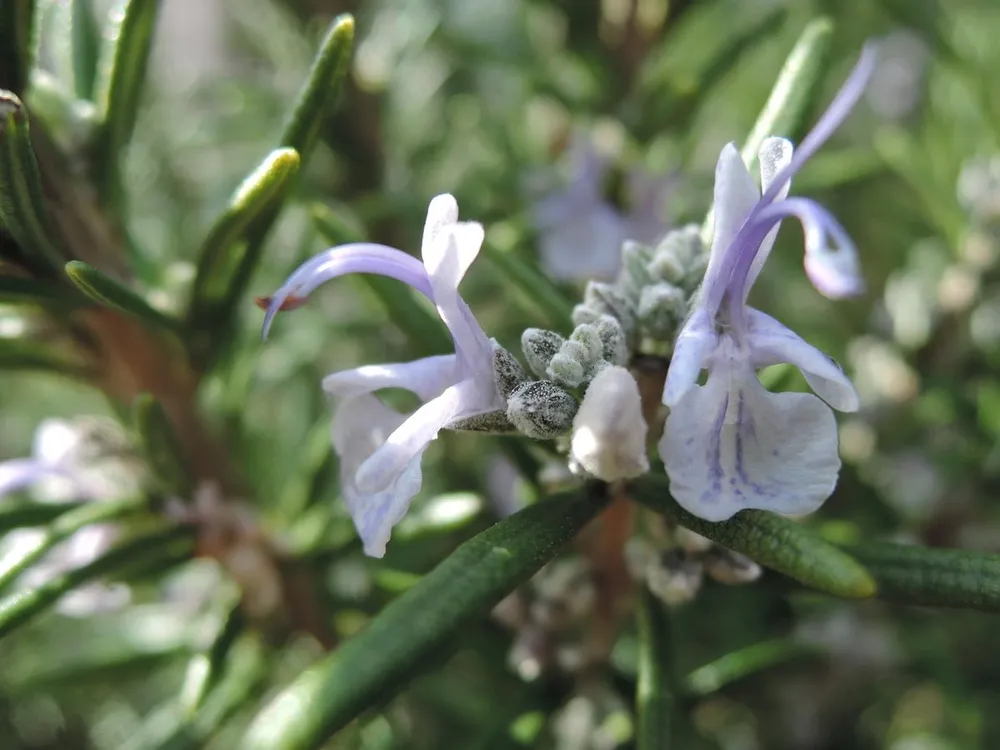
column 614, row 347
column 539, row 347
column 662, row 308
column 541, row 409
column 609, row 432
column 508, row 371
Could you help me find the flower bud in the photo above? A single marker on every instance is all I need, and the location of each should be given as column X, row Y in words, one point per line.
column 614, row 347
column 541, row 409
column 604, row 299
column 662, row 308
column 508, row 370
column 539, row 347
column 578, row 359
column 609, row 432
column 675, row 578
column 732, row 568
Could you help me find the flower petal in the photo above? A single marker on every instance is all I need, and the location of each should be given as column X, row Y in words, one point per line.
column 384, row 466
column 426, row 377
column 731, row 445
column 772, row 343
column 442, row 213
column 358, row 257
column 361, row 424
column 736, row 194
column 832, row 267
column 447, row 257
column 695, row 343
column 774, row 155
column 19, row 473
column 831, row 119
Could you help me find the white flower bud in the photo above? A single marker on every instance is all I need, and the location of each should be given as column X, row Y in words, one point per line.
column 732, row 568
column 541, row 409
column 609, row 432
column 539, row 347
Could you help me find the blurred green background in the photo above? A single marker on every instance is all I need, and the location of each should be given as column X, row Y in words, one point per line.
column 479, row 98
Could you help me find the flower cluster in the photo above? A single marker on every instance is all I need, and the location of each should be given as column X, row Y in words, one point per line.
column 727, row 444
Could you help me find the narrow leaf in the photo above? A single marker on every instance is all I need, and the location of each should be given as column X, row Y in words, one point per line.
column 20, row 608
column 121, row 92
column 773, row 541
column 22, row 205
column 64, row 527
column 741, row 663
column 321, row 87
column 16, row 354
column 161, row 445
column 933, row 577
column 109, row 293
column 301, row 133
column 262, row 191
column 424, row 331
column 206, row 670
column 423, row 621
column 15, row 290
column 790, row 98
column 86, row 43
column 654, row 690
column 17, row 514
column 17, row 18
column 794, row 91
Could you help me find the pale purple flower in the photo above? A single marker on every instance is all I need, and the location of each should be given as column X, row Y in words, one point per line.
column 63, row 467
column 380, row 449
column 580, row 234
column 731, row 444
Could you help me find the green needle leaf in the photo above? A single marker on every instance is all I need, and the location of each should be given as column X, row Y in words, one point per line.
column 791, row 97
column 423, row 329
column 161, row 446
column 794, row 91
column 206, row 670
column 773, row 541
column 15, row 290
column 933, row 577
column 654, row 690
column 20, row 608
column 222, row 251
column 22, row 205
column 421, row 622
column 109, row 293
column 62, row 528
column 741, row 663
column 301, row 133
column 120, row 93
column 16, row 354
column 17, row 19
column 321, row 87
column 15, row 514
column 86, row 40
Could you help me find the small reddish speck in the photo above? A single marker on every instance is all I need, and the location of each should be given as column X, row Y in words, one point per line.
column 291, row 303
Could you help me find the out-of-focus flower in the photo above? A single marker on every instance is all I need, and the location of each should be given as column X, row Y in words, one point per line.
column 896, row 83
column 580, row 233
column 85, row 460
column 380, row 449
column 731, row 444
